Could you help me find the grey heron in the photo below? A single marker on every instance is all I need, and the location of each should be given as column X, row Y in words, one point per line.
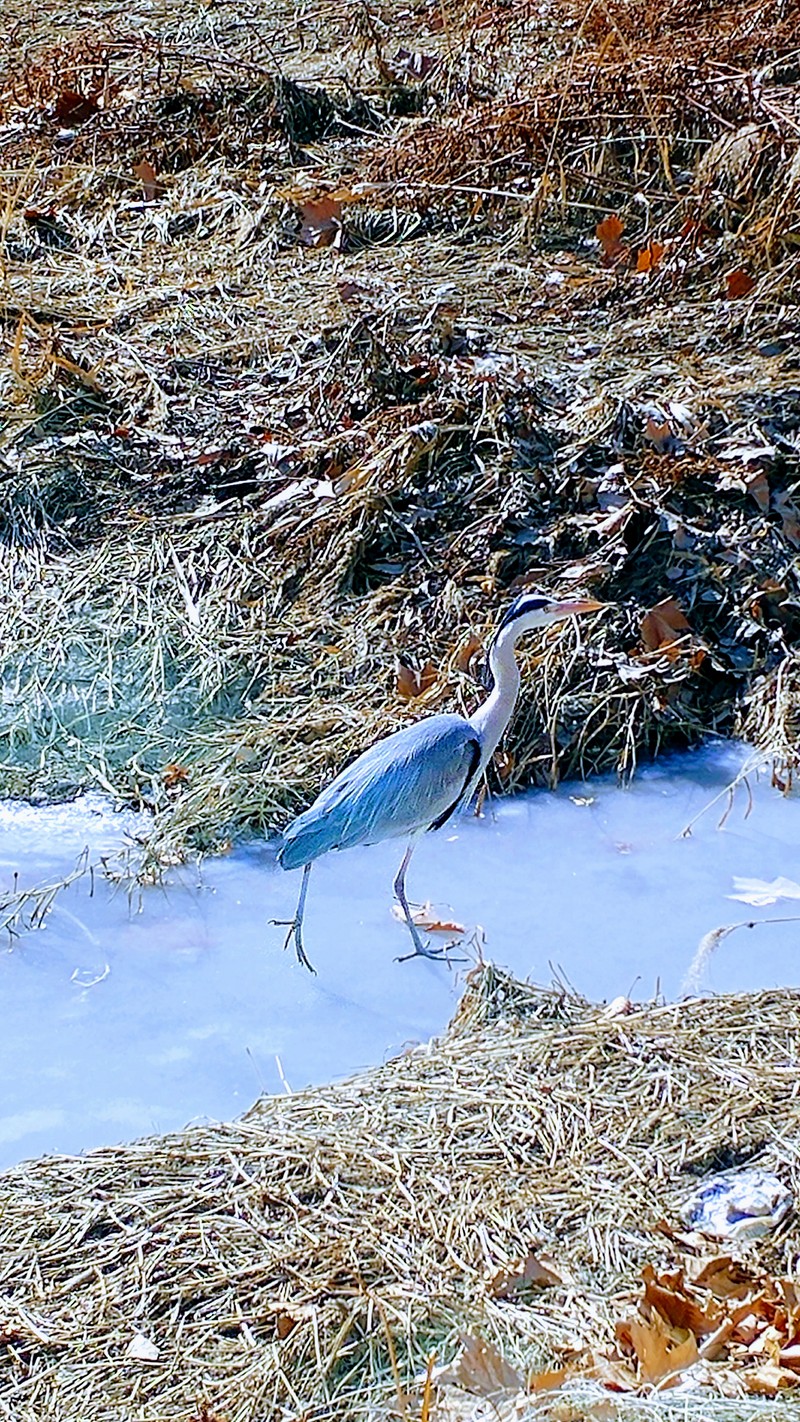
column 414, row 779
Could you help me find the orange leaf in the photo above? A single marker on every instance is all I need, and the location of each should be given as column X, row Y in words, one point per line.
column 649, row 257
column 407, row 683
column 661, row 1350
column 174, row 775
column 548, row 1381
column 659, row 435
column 663, row 625
column 675, row 1306
column 466, row 652
column 738, row 283
column 322, row 225
column 284, row 1324
column 609, row 232
column 146, row 174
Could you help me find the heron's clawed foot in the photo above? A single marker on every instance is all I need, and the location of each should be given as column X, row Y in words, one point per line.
column 438, row 955
column 295, row 934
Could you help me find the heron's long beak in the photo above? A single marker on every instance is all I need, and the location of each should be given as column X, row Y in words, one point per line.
column 572, row 606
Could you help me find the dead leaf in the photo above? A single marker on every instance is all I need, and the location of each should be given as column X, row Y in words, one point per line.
column 790, row 517
column 536, row 1271
column 609, row 232
column 414, row 63
column 174, row 775
column 663, row 625
column 146, row 174
column 141, row 1350
column 549, row 1380
column 503, row 762
column 616, row 1376
column 284, row 1325
column 321, row 222
column 426, row 918
column 481, row 1369
column 676, row 1307
column 411, row 684
column 758, row 488
column 659, row 435
column 660, row 1349
column 769, row 1379
column 74, row 108
column 649, row 257
column 466, row 652
column 738, row 283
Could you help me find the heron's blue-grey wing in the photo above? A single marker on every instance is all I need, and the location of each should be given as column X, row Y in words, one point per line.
column 412, row 780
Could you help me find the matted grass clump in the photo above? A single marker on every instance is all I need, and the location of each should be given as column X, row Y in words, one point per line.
column 311, row 1259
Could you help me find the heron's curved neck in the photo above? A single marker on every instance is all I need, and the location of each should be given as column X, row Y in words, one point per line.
column 491, row 719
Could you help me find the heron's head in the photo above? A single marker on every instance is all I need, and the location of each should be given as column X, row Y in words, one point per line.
column 533, row 609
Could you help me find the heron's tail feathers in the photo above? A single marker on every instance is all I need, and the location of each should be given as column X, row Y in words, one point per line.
column 304, row 840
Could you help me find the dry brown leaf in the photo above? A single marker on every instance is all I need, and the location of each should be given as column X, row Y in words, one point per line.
column 609, row 232
column 659, row 435
column 426, row 917
column 769, row 1379
column 151, row 184
column 549, row 1380
column 660, row 1349
column 790, row 518
column 758, row 488
column 616, row 1376
column 427, row 677
column 536, row 1271
column 666, row 1294
column 504, row 764
column 738, row 283
column 174, row 775
column 481, row 1369
column 74, row 108
column 466, row 652
column 663, row 625
column 284, row 1324
column 723, row 1276
column 649, row 257
column 321, row 222
column 407, row 684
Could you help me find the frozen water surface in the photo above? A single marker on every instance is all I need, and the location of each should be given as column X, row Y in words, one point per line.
column 118, row 1022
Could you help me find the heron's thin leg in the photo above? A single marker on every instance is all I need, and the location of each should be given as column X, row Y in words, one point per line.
column 295, row 924
column 420, row 951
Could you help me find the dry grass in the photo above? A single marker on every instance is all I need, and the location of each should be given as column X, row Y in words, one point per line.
column 240, row 474
column 286, row 1264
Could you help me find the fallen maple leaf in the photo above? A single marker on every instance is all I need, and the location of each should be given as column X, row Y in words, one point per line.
column 548, row 1380
column 649, row 257
column 669, row 1299
column 663, row 625
column 411, row 684
column 536, row 1271
column 146, row 174
column 769, row 1379
column 481, row 1369
column 661, row 1350
column 738, row 283
column 609, row 232
column 321, row 222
